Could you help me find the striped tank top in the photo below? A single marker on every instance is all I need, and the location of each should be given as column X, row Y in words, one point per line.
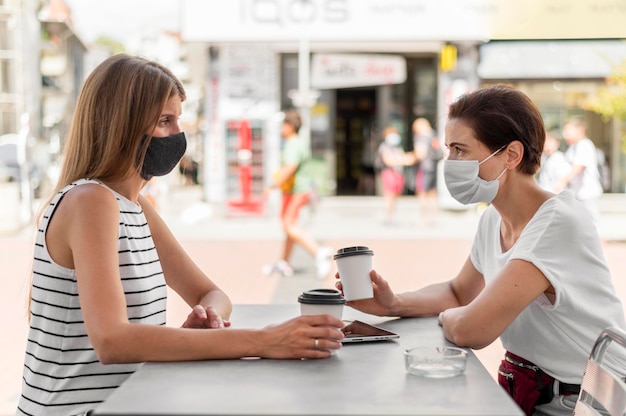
column 62, row 374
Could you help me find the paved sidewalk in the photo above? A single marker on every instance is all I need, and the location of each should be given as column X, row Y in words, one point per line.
column 334, row 217
column 233, row 251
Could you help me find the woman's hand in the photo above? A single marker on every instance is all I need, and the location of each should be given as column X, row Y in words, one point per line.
column 382, row 302
column 205, row 317
column 310, row 336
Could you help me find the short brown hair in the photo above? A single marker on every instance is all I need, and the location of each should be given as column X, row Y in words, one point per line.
column 293, row 118
column 501, row 114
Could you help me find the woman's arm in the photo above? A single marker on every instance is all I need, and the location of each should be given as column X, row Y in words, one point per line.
column 90, row 221
column 433, row 299
column 421, row 151
column 397, row 159
column 285, row 172
column 478, row 323
column 293, row 339
column 181, row 272
column 427, row 301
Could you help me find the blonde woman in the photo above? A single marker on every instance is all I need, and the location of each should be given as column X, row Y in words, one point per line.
column 428, row 153
column 103, row 257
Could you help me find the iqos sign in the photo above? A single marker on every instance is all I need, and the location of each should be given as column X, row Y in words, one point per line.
column 293, row 12
column 332, row 20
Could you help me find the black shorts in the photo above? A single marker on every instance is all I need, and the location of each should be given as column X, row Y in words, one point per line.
column 426, row 180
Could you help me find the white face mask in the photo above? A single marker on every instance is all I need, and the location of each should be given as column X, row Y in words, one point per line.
column 464, row 184
column 393, row 139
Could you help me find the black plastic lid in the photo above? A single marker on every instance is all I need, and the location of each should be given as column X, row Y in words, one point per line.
column 322, row 297
column 353, row 251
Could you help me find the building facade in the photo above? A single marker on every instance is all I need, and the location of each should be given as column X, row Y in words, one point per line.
column 351, row 68
column 354, row 66
column 41, row 71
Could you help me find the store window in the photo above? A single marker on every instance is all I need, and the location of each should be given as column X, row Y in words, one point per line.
column 560, row 100
column 425, row 91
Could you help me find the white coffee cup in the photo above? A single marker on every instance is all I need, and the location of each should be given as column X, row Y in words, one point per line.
column 322, row 302
column 354, row 265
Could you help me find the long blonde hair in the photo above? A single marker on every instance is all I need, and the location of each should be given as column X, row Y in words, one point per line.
column 121, row 100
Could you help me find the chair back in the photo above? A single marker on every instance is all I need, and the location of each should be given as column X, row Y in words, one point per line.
column 600, row 385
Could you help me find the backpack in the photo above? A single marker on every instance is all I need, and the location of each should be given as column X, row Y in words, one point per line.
column 379, row 165
column 603, row 170
column 317, row 170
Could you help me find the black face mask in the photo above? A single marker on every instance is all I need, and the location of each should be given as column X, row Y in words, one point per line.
column 163, row 155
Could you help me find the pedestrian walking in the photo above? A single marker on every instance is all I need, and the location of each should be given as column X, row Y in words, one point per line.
column 553, row 164
column 104, row 257
column 584, row 177
column 295, row 182
column 390, row 161
column 428, row 153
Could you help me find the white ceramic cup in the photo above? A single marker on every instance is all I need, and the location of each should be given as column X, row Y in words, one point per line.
column 322, row 302
column 354, row 265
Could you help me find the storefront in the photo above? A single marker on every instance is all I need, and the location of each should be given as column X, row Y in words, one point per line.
column 263, row 56
column 350, row 67
column 562, row 77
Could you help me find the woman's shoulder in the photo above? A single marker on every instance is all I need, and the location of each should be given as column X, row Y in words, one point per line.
column 563, row 202
column 293, row 144
column 564, row 214
column 90, row 196
column 78, row 208
column 586, row 142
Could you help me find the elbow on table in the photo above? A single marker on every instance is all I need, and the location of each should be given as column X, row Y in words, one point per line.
column 465, row 335
column 108, row 354
column 110, row 351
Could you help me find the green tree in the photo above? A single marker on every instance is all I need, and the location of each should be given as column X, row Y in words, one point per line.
column 610, row 99
column 113, row 45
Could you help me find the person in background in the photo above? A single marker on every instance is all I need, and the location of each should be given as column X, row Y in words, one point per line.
column 104, row 258
column 583, row 179
column 536, row 276
column 367, row 179
column 428, row 153
column 294, row 181
column 152, row 191
column 553, row 164
column 188, row 169
column 391, row 160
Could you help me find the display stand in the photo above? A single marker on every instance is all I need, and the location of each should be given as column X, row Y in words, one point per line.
column 244, row 171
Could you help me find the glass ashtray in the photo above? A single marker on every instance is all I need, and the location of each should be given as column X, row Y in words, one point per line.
column 435, row 362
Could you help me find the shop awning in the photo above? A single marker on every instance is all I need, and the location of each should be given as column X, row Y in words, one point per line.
column 550, row 59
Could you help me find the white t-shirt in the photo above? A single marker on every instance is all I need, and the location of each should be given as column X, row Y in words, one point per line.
column 562, row 242
column 586, row 185
column 553, row 168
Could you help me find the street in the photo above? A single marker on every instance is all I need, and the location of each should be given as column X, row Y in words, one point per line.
column 233, row 250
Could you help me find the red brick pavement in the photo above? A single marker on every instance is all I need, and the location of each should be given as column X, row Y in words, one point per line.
column 236, row 265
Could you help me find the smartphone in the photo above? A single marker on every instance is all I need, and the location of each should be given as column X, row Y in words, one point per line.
column 357, row 331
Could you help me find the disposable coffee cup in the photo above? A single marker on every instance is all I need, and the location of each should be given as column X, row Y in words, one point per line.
column 322, row 302
column 354, row 265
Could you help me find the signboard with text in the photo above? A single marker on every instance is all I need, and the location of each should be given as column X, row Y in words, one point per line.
column 329, row 71
column 396, row 20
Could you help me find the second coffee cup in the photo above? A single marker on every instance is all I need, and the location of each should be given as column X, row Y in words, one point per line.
column 354, row 265
column 322, row 302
